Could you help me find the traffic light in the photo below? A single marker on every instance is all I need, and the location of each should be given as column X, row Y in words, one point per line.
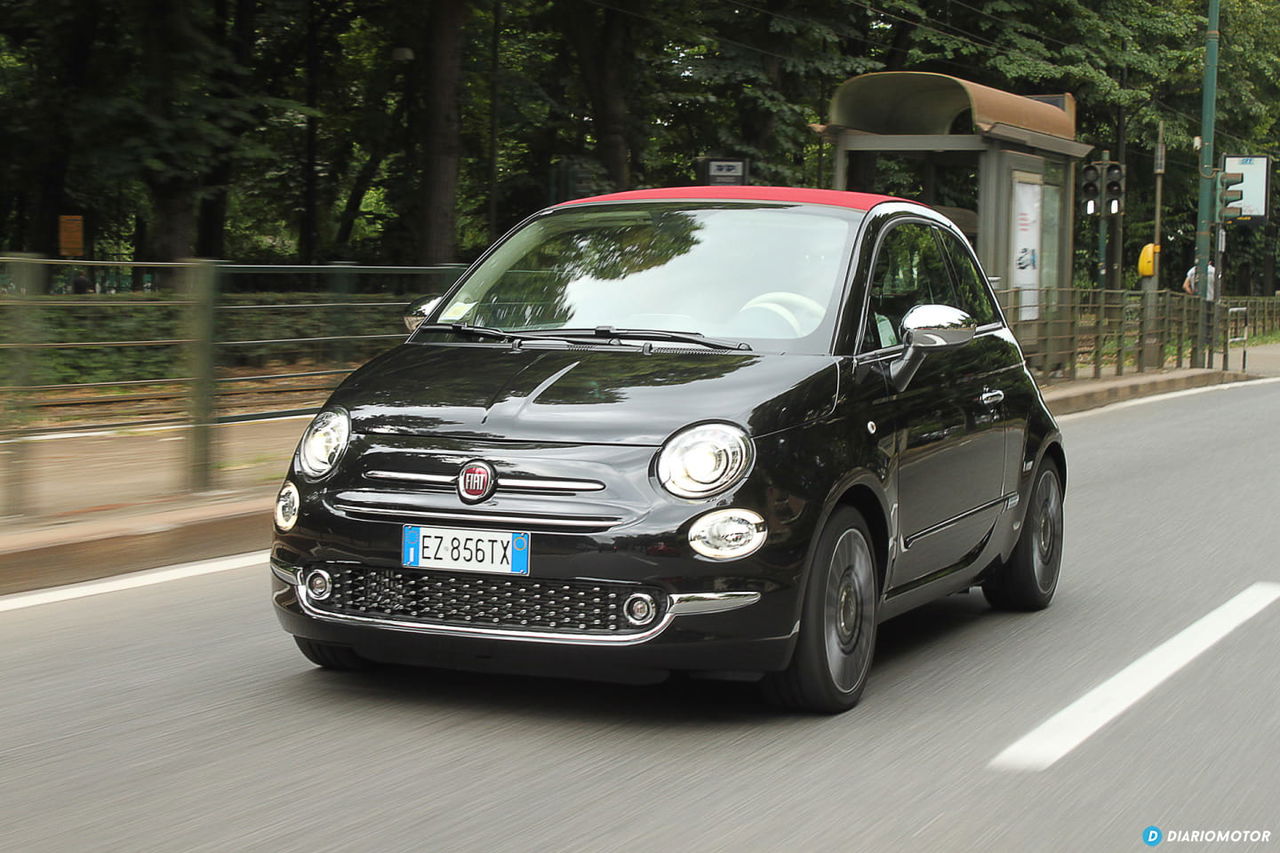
column 1228, row 196
column 1113, row 190
column 1090, row 189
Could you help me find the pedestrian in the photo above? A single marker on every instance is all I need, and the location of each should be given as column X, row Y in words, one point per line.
column 1189, row 283
column 81, row 284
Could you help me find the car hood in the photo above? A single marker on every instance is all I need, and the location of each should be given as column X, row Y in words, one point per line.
column 581, row 395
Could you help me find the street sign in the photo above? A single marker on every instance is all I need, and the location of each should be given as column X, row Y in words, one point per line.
column 722, row 171
column 71, row 236
column 1254, row 186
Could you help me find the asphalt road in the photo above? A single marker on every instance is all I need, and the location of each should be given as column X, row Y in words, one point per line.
column 177, row 716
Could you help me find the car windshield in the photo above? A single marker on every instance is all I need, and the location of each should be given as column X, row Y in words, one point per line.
column 770, row 275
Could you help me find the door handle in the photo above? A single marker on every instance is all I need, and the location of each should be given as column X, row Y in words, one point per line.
column 990, row 398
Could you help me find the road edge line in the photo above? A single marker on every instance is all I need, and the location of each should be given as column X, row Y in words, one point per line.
column 133, row 580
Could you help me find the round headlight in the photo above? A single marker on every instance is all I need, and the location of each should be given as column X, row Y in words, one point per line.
column 287, row 504
column 323, row 442
column 727, row 534
column 704, row 460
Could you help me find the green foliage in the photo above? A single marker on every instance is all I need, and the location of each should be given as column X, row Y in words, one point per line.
column 241, row 128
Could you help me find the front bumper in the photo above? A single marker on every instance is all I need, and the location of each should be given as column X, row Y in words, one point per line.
column 716, row 632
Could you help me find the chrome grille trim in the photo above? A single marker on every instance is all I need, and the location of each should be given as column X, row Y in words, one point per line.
column 409, row 477
column 691, row 603
column 288, row 574
column 680, row 604
column 549, row 485
column 530, row 521
column 526, row 636
column 504, row 483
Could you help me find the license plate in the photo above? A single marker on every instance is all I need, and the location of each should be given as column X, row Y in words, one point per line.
column 498, row 552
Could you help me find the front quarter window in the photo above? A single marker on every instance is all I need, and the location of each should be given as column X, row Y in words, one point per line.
column 972, row 290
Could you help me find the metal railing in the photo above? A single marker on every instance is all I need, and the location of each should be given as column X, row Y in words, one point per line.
column 201, row 343
column 198, row 344
column 1070, row 333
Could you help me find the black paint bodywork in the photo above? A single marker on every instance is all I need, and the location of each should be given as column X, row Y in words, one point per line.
column 942, row 480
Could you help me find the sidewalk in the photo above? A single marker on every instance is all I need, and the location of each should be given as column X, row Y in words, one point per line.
column 106, row 503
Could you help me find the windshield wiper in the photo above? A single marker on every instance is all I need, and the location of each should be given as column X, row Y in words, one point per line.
column 644, row 334
column 478, row 331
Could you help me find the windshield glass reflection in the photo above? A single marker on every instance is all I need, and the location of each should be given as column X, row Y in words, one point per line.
column 767, row 274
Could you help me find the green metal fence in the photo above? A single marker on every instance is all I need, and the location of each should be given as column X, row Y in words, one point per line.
column 1070, row 334
column 198, row 344
column 201, row 343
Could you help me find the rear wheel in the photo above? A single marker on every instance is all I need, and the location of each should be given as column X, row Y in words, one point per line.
column 838, row 623
column 1030, row 577
column 332, row 657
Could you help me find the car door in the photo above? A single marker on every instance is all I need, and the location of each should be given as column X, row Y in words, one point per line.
column 1007, row 386
column 949, row 444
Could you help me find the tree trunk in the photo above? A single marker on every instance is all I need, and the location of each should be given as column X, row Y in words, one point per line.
column 211, row 231
column 173, row 236
column 604, row 50
column 441, row 144
column 236, row 33
column 360, row 186
column 50, row 201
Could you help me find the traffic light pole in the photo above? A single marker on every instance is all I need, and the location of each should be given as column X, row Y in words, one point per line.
column 1104, row 225
column 1208, row 182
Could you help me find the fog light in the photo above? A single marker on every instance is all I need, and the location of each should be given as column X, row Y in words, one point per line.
column 319, row 584
column 727, row 534
column 640, row 609
column 287, row 507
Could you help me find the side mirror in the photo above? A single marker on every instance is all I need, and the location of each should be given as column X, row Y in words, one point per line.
column 926, row 329
column 418, row 310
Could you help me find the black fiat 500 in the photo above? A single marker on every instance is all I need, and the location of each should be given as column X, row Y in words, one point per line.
column 723, row 430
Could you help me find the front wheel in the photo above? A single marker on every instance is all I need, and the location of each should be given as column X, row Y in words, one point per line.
column 1030, row 577
column 838, row 623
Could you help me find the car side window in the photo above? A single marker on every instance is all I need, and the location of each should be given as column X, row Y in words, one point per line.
column 910, row 270
column 972, row 292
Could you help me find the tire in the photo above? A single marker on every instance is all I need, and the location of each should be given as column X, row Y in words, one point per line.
column 837, row 624
column 333, row 657
column 1029, row 578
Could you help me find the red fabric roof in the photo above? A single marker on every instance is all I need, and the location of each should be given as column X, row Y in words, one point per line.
column 795, row 195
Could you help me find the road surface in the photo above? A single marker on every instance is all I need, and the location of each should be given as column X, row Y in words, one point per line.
column 176, row 716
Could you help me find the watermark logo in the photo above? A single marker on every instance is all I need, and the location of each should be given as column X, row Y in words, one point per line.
column 1153, row 836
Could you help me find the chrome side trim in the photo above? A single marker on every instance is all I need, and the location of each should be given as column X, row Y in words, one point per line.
column 525, row 520
column 522, row 483
column 908, row 541
column 691, row 603
column 491, row 633
column 289, row 575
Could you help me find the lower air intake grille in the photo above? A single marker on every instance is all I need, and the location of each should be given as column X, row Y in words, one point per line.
column 483, row 601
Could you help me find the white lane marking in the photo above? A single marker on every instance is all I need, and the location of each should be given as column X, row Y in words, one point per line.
column 19, row 600
column 1168, row 395
column 1074, row 724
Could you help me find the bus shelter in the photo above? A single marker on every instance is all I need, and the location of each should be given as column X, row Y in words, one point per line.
column 1000, row 165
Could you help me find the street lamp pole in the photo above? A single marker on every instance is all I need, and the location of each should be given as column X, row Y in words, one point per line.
column 1208, row 180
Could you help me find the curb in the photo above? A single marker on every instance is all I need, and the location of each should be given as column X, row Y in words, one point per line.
column 1097, row 393
column 208, row 528
column 82, row 551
